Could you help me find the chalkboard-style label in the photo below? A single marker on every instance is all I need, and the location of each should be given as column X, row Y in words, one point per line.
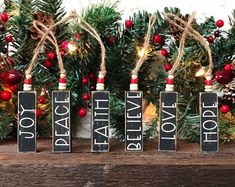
column 133, row 121
column 168, row 124
column 26, row 121
column 61, row 127
column 208, row 122
column 100, row 121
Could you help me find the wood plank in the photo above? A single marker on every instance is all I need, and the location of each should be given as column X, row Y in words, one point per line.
column 186, row 167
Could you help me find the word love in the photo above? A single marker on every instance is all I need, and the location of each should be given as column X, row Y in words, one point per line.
column 26, row 121
column 100, row 121
column 61, row 121
column 168, row 127
column 209, row 126
column 133, row 119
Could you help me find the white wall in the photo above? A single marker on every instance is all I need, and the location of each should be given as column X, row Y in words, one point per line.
column 220, row 9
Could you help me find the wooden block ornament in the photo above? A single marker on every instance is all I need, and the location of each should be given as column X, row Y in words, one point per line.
column 26, row 135
column 133, row 117
column 61, row 125
column 168, row 117
column 100, row 117
column 209, row 134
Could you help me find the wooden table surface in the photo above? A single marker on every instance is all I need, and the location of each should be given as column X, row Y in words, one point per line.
column 186, row 167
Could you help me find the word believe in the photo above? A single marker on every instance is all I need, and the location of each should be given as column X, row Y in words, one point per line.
column 209, row 127
column 133, row 119
column 100, row 121
column 26, row 121
column 61, row 121
column 167, row 138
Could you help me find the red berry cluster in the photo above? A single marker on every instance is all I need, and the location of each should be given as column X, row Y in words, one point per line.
column 159, row 40
column 211, row 38
column 9, row 79
column 48, row 63
column 42, row 101
column 88, row 83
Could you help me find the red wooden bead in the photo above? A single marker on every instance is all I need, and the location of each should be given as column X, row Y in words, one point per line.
column 134, row 81
column 208, row 82
column 100, row 80
column 62, row 80
column 28, row 81
column 170, row 81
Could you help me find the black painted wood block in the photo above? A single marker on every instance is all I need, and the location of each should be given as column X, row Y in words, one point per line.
column 133, row 121
column 208, row 122
column 61, row 125
column 26, row 136
column 168, row 121
column 100, row 121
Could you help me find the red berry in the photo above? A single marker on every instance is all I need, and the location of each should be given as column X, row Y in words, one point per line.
column 38, row 113
column 167, row 67
column 128, row 23
column 220, row 23
column 84, row 80
column 12, row 88
column 164, row 52
column 157, row 38
column 210, row 39
column 48, row 64
column 217, row 33
column 42, row 100
column 77, row 36
column 223, row 77
column 4, row 16
column 224, row 109
column 92, row 76
column 111, row 40
column 9, row 38
column 62, row 53
column 64, row 45
column 50, row 55
column 12, row 77
column 5, row 95
column 228, row 67
column 92, row 88
column 82, row 112
column 85, row 97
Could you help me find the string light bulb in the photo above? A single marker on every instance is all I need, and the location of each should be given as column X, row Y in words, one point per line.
column 72, row 47
column 200, row 72
column 141, row 53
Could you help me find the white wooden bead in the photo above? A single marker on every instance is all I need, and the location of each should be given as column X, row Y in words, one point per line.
column 62, row 75
column 208, row 77
column 28, row 76
column 133, row 87
column 170, row 76
column 27, row 87
column 99, row 86
column 62, row 86
column 134, row 76
column 101, row 76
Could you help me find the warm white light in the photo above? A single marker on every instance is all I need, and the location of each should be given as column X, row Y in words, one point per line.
column 72, row 47
column 200, row 72
column 142, row 53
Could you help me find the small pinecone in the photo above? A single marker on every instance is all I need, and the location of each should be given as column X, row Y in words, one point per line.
column 175, row 31
column 229, row 92
column 44, row 19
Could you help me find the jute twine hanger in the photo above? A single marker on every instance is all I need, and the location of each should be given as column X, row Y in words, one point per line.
column 170, row 79
column 84, row 25
column 197, row 36
column 134, row 73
